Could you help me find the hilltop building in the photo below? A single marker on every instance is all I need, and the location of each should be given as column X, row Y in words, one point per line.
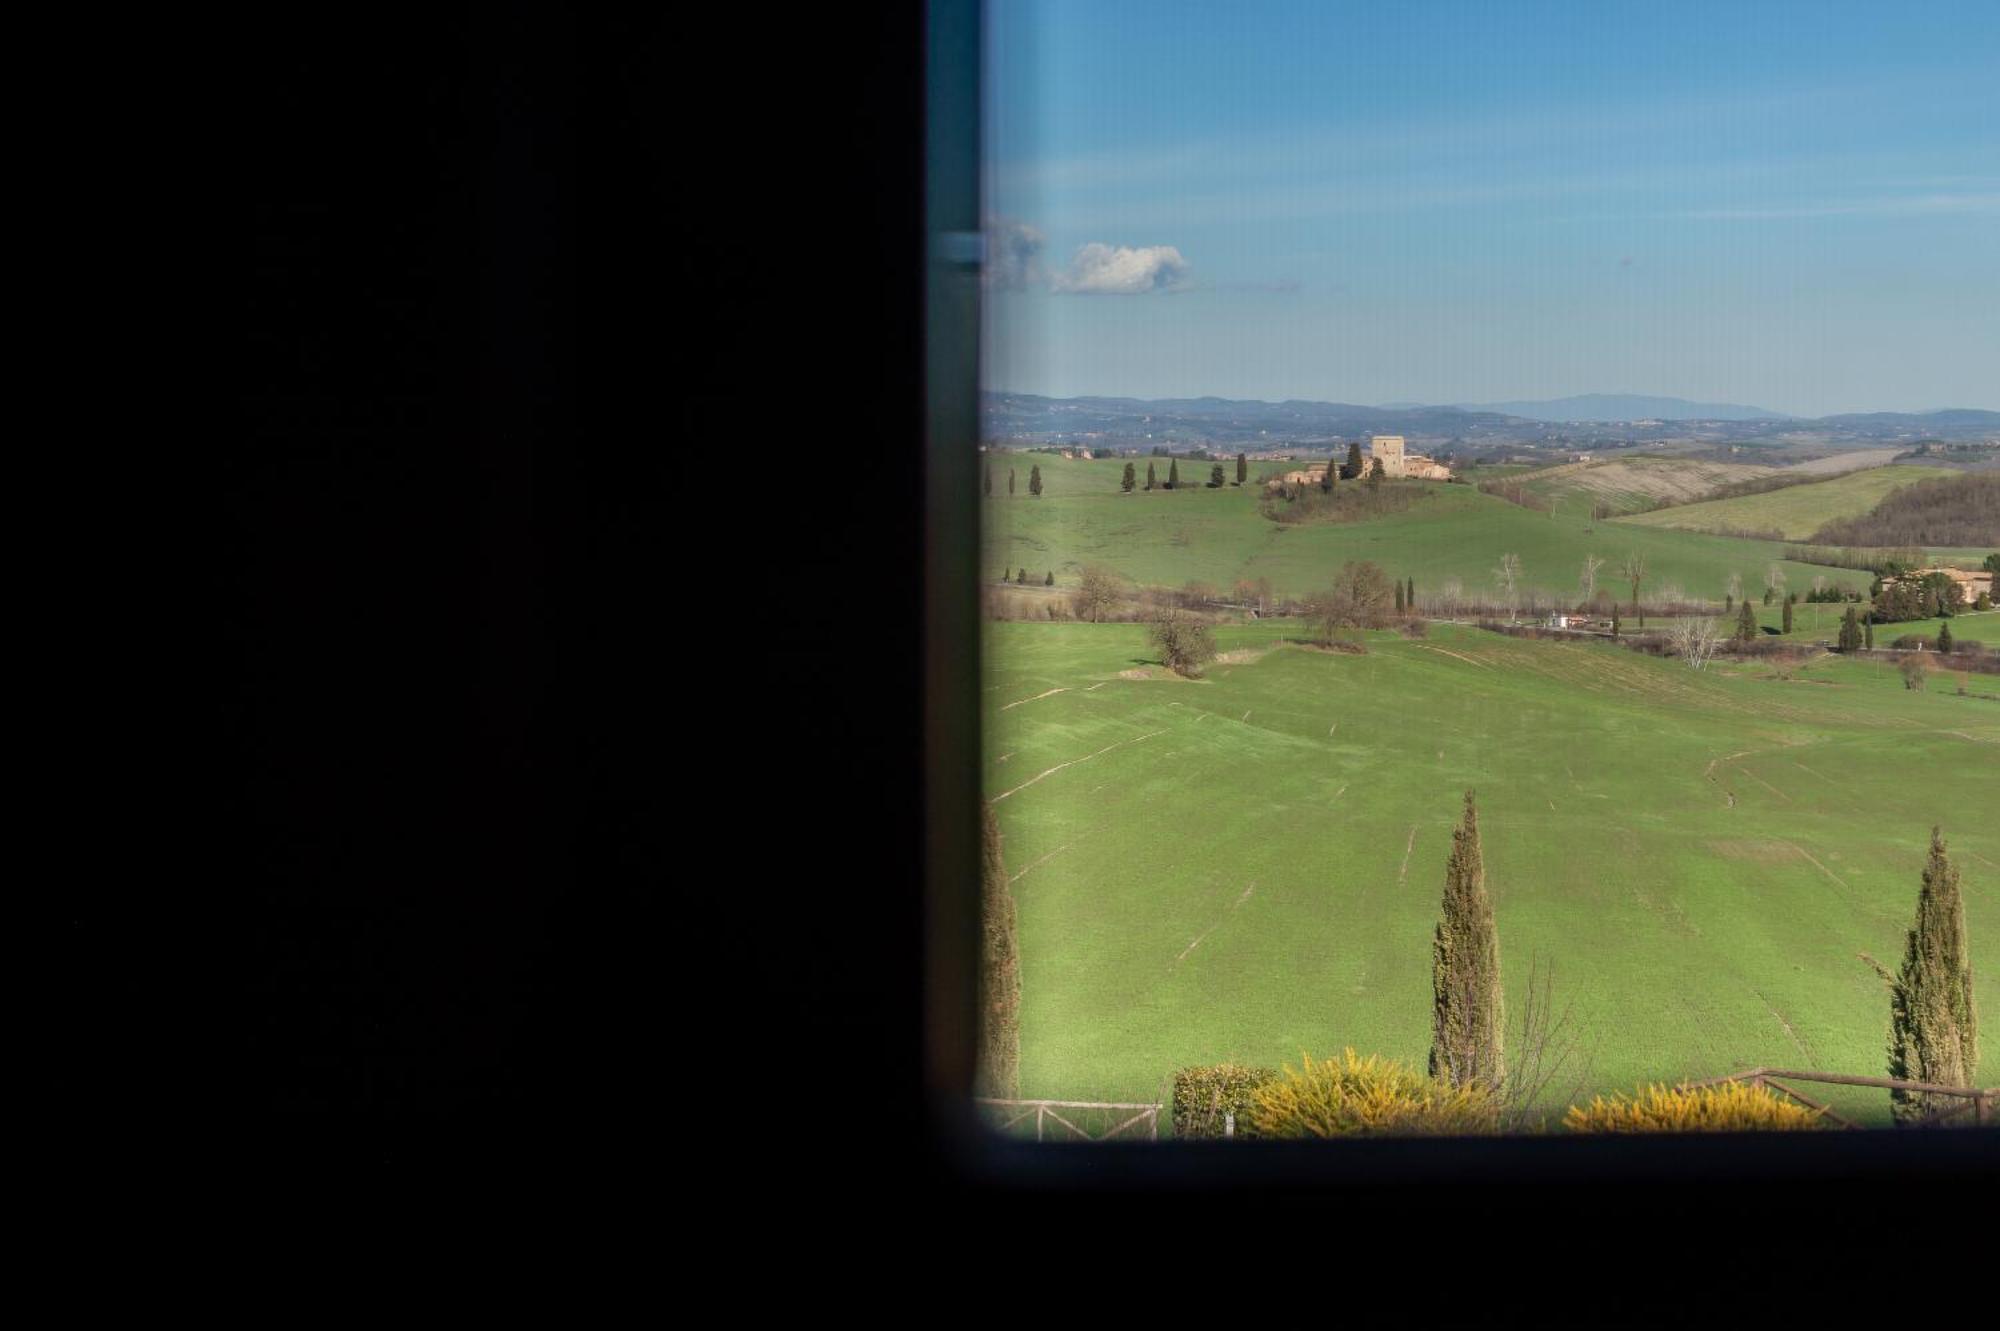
column 1389, row 449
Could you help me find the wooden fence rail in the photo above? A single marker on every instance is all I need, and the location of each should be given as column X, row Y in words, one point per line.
column 1980, row 1100
column 1045, row 1110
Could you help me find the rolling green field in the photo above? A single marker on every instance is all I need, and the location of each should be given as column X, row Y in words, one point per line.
column 1248, row 867
column 1167, row 538
column 1798, row 511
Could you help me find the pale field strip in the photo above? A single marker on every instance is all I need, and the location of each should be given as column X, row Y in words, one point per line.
column 1217, row 925
column 1072, row 763
column 1037, row 698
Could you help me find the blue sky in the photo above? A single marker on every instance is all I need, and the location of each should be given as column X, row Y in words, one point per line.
column 1792, row 206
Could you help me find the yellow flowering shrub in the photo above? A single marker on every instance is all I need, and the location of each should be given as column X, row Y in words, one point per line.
column 1728, row 1107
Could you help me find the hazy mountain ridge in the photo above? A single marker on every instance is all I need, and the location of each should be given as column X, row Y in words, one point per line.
column 1244, row 423
column 1627, row 407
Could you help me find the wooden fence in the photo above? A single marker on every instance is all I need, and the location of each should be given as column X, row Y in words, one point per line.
column 1980, row 1101
column 1047, row 1111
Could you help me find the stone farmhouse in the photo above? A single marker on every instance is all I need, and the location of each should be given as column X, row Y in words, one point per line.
column 1389, row 450
column 1973, row 583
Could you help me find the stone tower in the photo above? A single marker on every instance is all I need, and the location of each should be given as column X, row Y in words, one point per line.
column 1389, row 448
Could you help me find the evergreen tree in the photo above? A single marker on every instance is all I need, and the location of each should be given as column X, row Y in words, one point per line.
column 1788, row 616
column 1022, row 576
column 1035, row 481
column 1332, row 474
column 1728, row 602
column 1768, row 593
column 1242, row 468
column 1933, row 1027
column 1353, row 467
column 1216, row 480
column 1130, row 480
column 999, row 973
column 1466, row 1009
column 1173, row 474
column 1399, row 598
column 1746, row 624
column 1050, row 581
column 1410, row 593
column 1375, row 474
column 1614, row 621
column 1152, row 480
column 1944, row 638
column 1850, row 630
column 1010, row 480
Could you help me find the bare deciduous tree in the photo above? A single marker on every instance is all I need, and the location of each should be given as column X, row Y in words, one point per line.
column 1507, row 575
column 1184, row 641
column 1548, row 1048
column 1587, row 583
column 1634, row 571
column 1098, row 594
column 1695, row 640
column 1358, row 599
column 1774, row 581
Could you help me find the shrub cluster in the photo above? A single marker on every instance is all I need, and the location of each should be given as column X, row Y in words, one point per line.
column 1729, row 1107
column 1369, row 1096
column 1205, row 1096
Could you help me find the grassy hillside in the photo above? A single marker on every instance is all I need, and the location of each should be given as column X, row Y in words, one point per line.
column 1249, row 867
column 1167, row 538
column 1798, row 511
column 1630, row 484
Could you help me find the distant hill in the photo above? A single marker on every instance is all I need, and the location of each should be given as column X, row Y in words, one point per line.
column 1961, row 417
column 1627, row 407
column 1129, row 421
column 1592, row 421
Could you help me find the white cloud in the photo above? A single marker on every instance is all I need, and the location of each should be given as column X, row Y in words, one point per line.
column 1013, row 254
column 1122, row 270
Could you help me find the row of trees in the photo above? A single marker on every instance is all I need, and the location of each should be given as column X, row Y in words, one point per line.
column 1034, row 480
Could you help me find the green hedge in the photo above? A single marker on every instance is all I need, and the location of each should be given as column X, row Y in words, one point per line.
column 1204, row 1096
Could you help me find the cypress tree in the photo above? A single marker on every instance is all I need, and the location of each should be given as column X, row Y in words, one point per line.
column 1022, row 576
column 1152, row 479
column 1944, row 638
column 1173, row 474
column 1788, row 616
column 1850, row 630
column 1746, row 624
column 1728, row 602
column 1933, row 1027
column 1332, row 473
column 1050, row 581
column 1010, row 480
column 1242, row 468
column 1035, row 481
column 1466, row 1009
column 1353, row 467
column 1129, row 480
column 1399, row 598
column 999, row 973
column 1216, row 480
column 1375, row 474
column 1410, row 594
